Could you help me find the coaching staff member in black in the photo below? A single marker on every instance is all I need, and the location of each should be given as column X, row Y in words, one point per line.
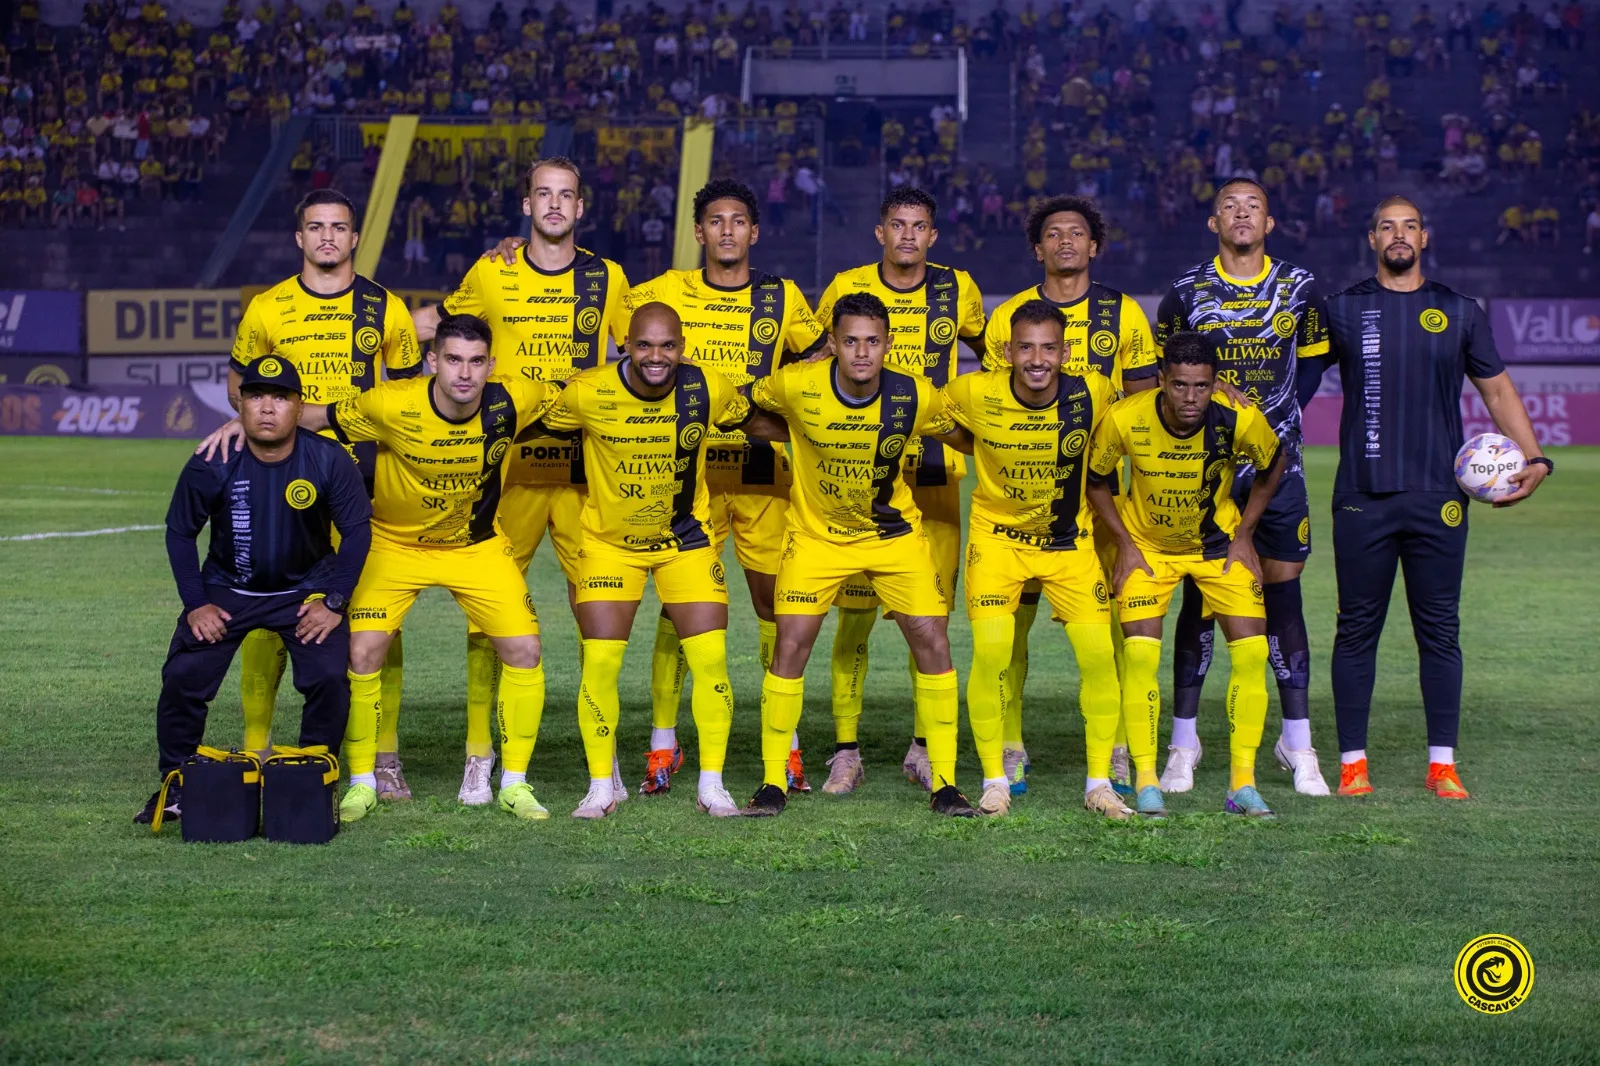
column 1403, row 344
column 271, row 565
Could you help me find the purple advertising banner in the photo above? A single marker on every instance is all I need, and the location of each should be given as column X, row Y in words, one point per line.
column 38, row 320
column 183, row 411
column 1546, row 331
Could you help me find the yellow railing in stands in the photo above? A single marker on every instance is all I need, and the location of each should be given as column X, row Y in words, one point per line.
column 694, row 170
column 385, row 190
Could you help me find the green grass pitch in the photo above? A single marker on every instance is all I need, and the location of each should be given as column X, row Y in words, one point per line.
column 855, row 930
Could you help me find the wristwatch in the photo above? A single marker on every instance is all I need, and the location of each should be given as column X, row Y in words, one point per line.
column 335, row 602
column 1549, row 466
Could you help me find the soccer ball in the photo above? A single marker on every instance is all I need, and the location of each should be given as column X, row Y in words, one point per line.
column 1484, row 466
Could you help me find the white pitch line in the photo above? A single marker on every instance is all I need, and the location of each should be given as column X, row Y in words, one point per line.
column 84, row 533
column 91, row 491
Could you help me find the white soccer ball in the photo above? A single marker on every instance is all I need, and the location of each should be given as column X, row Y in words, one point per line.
column 1484, row 466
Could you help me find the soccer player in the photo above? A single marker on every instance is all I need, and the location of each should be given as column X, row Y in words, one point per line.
column 1106, row 332
column 1179, row 520
column 1263, row 315
column 271, row 567
column 645, row 425
column 444, row 441
column 849, row 419
column 1403, row 345
column 551, row 306
column 1029, row 426
column 930, row 308
column 335, row 327
column 741, row 323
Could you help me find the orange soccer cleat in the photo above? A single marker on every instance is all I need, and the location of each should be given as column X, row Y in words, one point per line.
column 659, row 766
column 1444, row 782
column 796, row 773
column 1353, row 779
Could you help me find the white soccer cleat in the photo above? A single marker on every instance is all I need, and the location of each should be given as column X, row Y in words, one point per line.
column 996, row 800
column 717, row 803
column 1302, row 762
column 598, row 802
column 475, row 790
column 618, row 789
column 844, row 773
column 915, row 767
column 1179, row 774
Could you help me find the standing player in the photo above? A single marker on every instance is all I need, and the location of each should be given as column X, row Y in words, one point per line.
column 1403, row 345
column 335, row 327
column 850, row 420
column 930, row 307
column 1106, row 332
column 645, row 423
column 1262, row 315
column 1179, row 520
column 551, row 306
column 741, row 323
column 1029, row 426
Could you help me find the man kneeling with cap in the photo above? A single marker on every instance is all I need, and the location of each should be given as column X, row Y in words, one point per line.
column 271, row 565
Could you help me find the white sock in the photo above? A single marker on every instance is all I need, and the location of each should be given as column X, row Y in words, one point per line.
column 1297, row 733
column 794, row 742
column 1092, row 783
column 370, row 780
column 663, row 739
column 513, row 777
column 1121, row 747
column 1348, row 757
column 988, row 781
column 710, row 779
column 1184, row 734
column 1444, row 755
column 601, row 786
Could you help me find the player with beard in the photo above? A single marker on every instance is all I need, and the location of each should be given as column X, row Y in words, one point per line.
column 335, row 327
column 1262, row 315
column 551, row 306
column 1106, row 332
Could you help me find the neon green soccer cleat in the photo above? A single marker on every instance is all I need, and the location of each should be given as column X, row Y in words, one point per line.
column 358, row 802
column 519, row 800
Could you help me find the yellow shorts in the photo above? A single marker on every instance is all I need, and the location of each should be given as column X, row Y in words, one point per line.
column 998, row 569
column 483, row 578
column 1236, row 593
column 693, row 576
column 526, row 511
column 901, row 570
column 941, row 520
column 756, row 519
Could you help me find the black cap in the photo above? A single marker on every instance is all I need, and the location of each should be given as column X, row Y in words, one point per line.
column 272, row 372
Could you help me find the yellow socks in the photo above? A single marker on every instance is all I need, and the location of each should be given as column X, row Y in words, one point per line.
column 261, row 660
column 598, row 704
column 1099, row 693
column 1017, row 673
column 991, row 654
column 940, row 704
column 667, row 667
column 711, row 698
column 769, row 641
column 1141, row 704
column 781, row 701
column 394, row 676
column 850, row 645
column 521, row 705
column 1247, row 707
column 483, row 671
column 361, row 731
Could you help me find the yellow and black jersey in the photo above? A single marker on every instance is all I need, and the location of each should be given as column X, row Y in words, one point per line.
column 1106, row 331
column 335, row 341
column 1031, row 460
column 1180, row 499
column 925, row 322
column 547, row 326
column 646, row 458
column 848, row 485
column 742, row 334
column 438, row 483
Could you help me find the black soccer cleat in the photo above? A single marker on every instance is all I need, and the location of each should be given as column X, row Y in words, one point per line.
column 768, row 801
column 172, row 814
column 949, row 802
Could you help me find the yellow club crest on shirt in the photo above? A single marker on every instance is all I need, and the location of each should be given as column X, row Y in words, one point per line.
column 1434, row 320
column 718, row 575
column 1214, row 471
column 300, row 494
column 1494, row 974
column 942, row 330
column 589, row 320
column 1100, row 593
column 691, row 436
column 1103, row 342
column 1074, row 443
column 368, row 339
column 269, row 367
column 765, row 331
column 1283, row 323
column 891, row 447
column 497, row 451
column 1451, row 514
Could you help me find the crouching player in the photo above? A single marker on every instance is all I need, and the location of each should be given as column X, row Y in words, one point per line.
column 1180, row 521
column 851, row 513
column 645, row 421
column 1028, row 426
